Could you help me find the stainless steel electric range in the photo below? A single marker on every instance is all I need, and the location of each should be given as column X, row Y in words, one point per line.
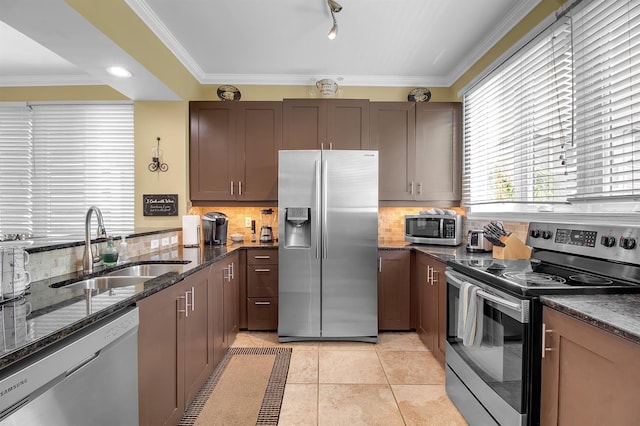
column 495, row 378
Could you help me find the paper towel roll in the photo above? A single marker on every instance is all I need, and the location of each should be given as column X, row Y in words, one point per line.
column 190, row 230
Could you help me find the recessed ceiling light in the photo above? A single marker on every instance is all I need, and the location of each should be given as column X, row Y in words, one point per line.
column 119, row 72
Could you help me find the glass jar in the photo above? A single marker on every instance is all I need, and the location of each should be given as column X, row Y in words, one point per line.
column 110, row 253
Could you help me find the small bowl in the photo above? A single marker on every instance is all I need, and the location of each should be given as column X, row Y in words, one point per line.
column 237, row 238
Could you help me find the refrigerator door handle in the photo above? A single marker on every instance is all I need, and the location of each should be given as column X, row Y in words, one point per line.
column 325, row 242
column 318, row 212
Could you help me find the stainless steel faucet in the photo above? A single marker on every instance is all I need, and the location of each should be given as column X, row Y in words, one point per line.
column 88, row 260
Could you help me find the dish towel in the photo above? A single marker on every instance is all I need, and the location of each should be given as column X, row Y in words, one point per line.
column 470, row 315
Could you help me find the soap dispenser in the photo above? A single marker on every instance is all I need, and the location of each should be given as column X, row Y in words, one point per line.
column 124, row 249
column 110, row 253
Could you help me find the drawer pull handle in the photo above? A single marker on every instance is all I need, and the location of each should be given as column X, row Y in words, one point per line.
column 262, row 257
column 263, row 270
column 262, row 303
column 545, row 349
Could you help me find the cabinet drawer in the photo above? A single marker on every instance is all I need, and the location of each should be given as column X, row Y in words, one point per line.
column 261, row 257
column 262, row 280
column 262, row 313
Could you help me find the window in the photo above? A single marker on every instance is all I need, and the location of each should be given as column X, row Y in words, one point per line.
column 57, row 160
column 556, row 122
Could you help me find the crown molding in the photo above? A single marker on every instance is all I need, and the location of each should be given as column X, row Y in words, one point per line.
column 508, row 23
column 50, row 80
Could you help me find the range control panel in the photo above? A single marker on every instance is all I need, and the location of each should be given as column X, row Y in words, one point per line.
column 617, row 243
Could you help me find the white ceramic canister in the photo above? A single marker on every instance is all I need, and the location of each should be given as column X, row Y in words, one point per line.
column 14, row 278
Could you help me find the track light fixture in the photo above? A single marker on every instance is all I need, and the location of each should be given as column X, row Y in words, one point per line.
column 334, row 7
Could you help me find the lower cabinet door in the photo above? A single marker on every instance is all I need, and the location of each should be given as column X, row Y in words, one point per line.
column 198, row 349
column 161, row 358
column 262, row 313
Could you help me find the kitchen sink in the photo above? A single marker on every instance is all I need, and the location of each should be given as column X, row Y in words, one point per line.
column 105, row 283
column 147, row 270
column 129, row 275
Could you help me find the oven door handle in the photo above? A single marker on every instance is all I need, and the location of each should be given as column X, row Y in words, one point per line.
column 516, row 310
column 500, row 301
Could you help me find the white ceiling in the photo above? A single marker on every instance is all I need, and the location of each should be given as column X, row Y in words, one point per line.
column 380, row 42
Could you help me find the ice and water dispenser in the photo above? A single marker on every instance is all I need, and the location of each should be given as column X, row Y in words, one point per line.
column 297, row 227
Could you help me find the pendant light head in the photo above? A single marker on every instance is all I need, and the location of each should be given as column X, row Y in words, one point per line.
column 334, row 30
column 334, row 7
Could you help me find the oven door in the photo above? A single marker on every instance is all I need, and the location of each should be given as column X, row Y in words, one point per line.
column 489, row 380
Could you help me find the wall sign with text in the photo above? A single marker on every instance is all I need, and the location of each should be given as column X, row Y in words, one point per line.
column 160, row 204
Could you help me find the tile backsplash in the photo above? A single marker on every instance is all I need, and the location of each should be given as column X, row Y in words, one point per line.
column 52, row 263
column 390, row 221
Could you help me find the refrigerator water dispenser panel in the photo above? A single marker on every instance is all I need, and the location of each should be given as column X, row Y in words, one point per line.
column 297, row 228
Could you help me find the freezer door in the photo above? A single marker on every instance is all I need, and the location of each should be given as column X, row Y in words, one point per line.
column 299, row 267
column 349, row 244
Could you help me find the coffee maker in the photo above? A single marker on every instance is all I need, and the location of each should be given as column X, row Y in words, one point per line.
column 214, row 225
column 266, row 231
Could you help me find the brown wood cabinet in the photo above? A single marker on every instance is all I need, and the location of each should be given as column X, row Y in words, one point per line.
column 175, row 354
column 326, row 124
column 438, row 173
column 233, row 150
column 394, row 284
column 226, row 302
column 589, row 376
column 420, row 150
column 262, row 289
column 393, row 134
column 432, row 289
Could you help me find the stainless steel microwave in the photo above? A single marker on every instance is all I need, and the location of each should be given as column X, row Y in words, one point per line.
column 438, row 229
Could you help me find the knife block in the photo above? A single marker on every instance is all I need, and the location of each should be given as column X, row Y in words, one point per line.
column 513, row 249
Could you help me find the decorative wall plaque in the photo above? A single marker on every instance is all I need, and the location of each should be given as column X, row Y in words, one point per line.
column 160, row 204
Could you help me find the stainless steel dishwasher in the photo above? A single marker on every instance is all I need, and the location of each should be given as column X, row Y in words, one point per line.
column 89, row 378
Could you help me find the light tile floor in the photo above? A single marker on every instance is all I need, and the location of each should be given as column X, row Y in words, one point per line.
column 393, row 382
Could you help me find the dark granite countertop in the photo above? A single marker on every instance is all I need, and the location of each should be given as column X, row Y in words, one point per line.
column 53, row 312
column 616, row 313
column 59, row 312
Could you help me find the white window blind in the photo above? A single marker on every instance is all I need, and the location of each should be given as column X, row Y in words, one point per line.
column 607, row 100
column 81, row 155
column 15, row 168
column 555, row 123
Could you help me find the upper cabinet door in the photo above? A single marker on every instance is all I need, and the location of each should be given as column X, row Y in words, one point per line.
column 325, row 124
column 304, row 123
column 347, row 124
column 438, row 175
column 233, row 150
column 259, row 137
column 393, row 134
column 212, row 151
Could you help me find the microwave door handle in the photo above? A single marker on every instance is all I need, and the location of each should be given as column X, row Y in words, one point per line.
column 441, row 223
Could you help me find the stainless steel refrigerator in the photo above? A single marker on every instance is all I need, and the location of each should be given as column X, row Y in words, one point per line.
column 327, row 245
